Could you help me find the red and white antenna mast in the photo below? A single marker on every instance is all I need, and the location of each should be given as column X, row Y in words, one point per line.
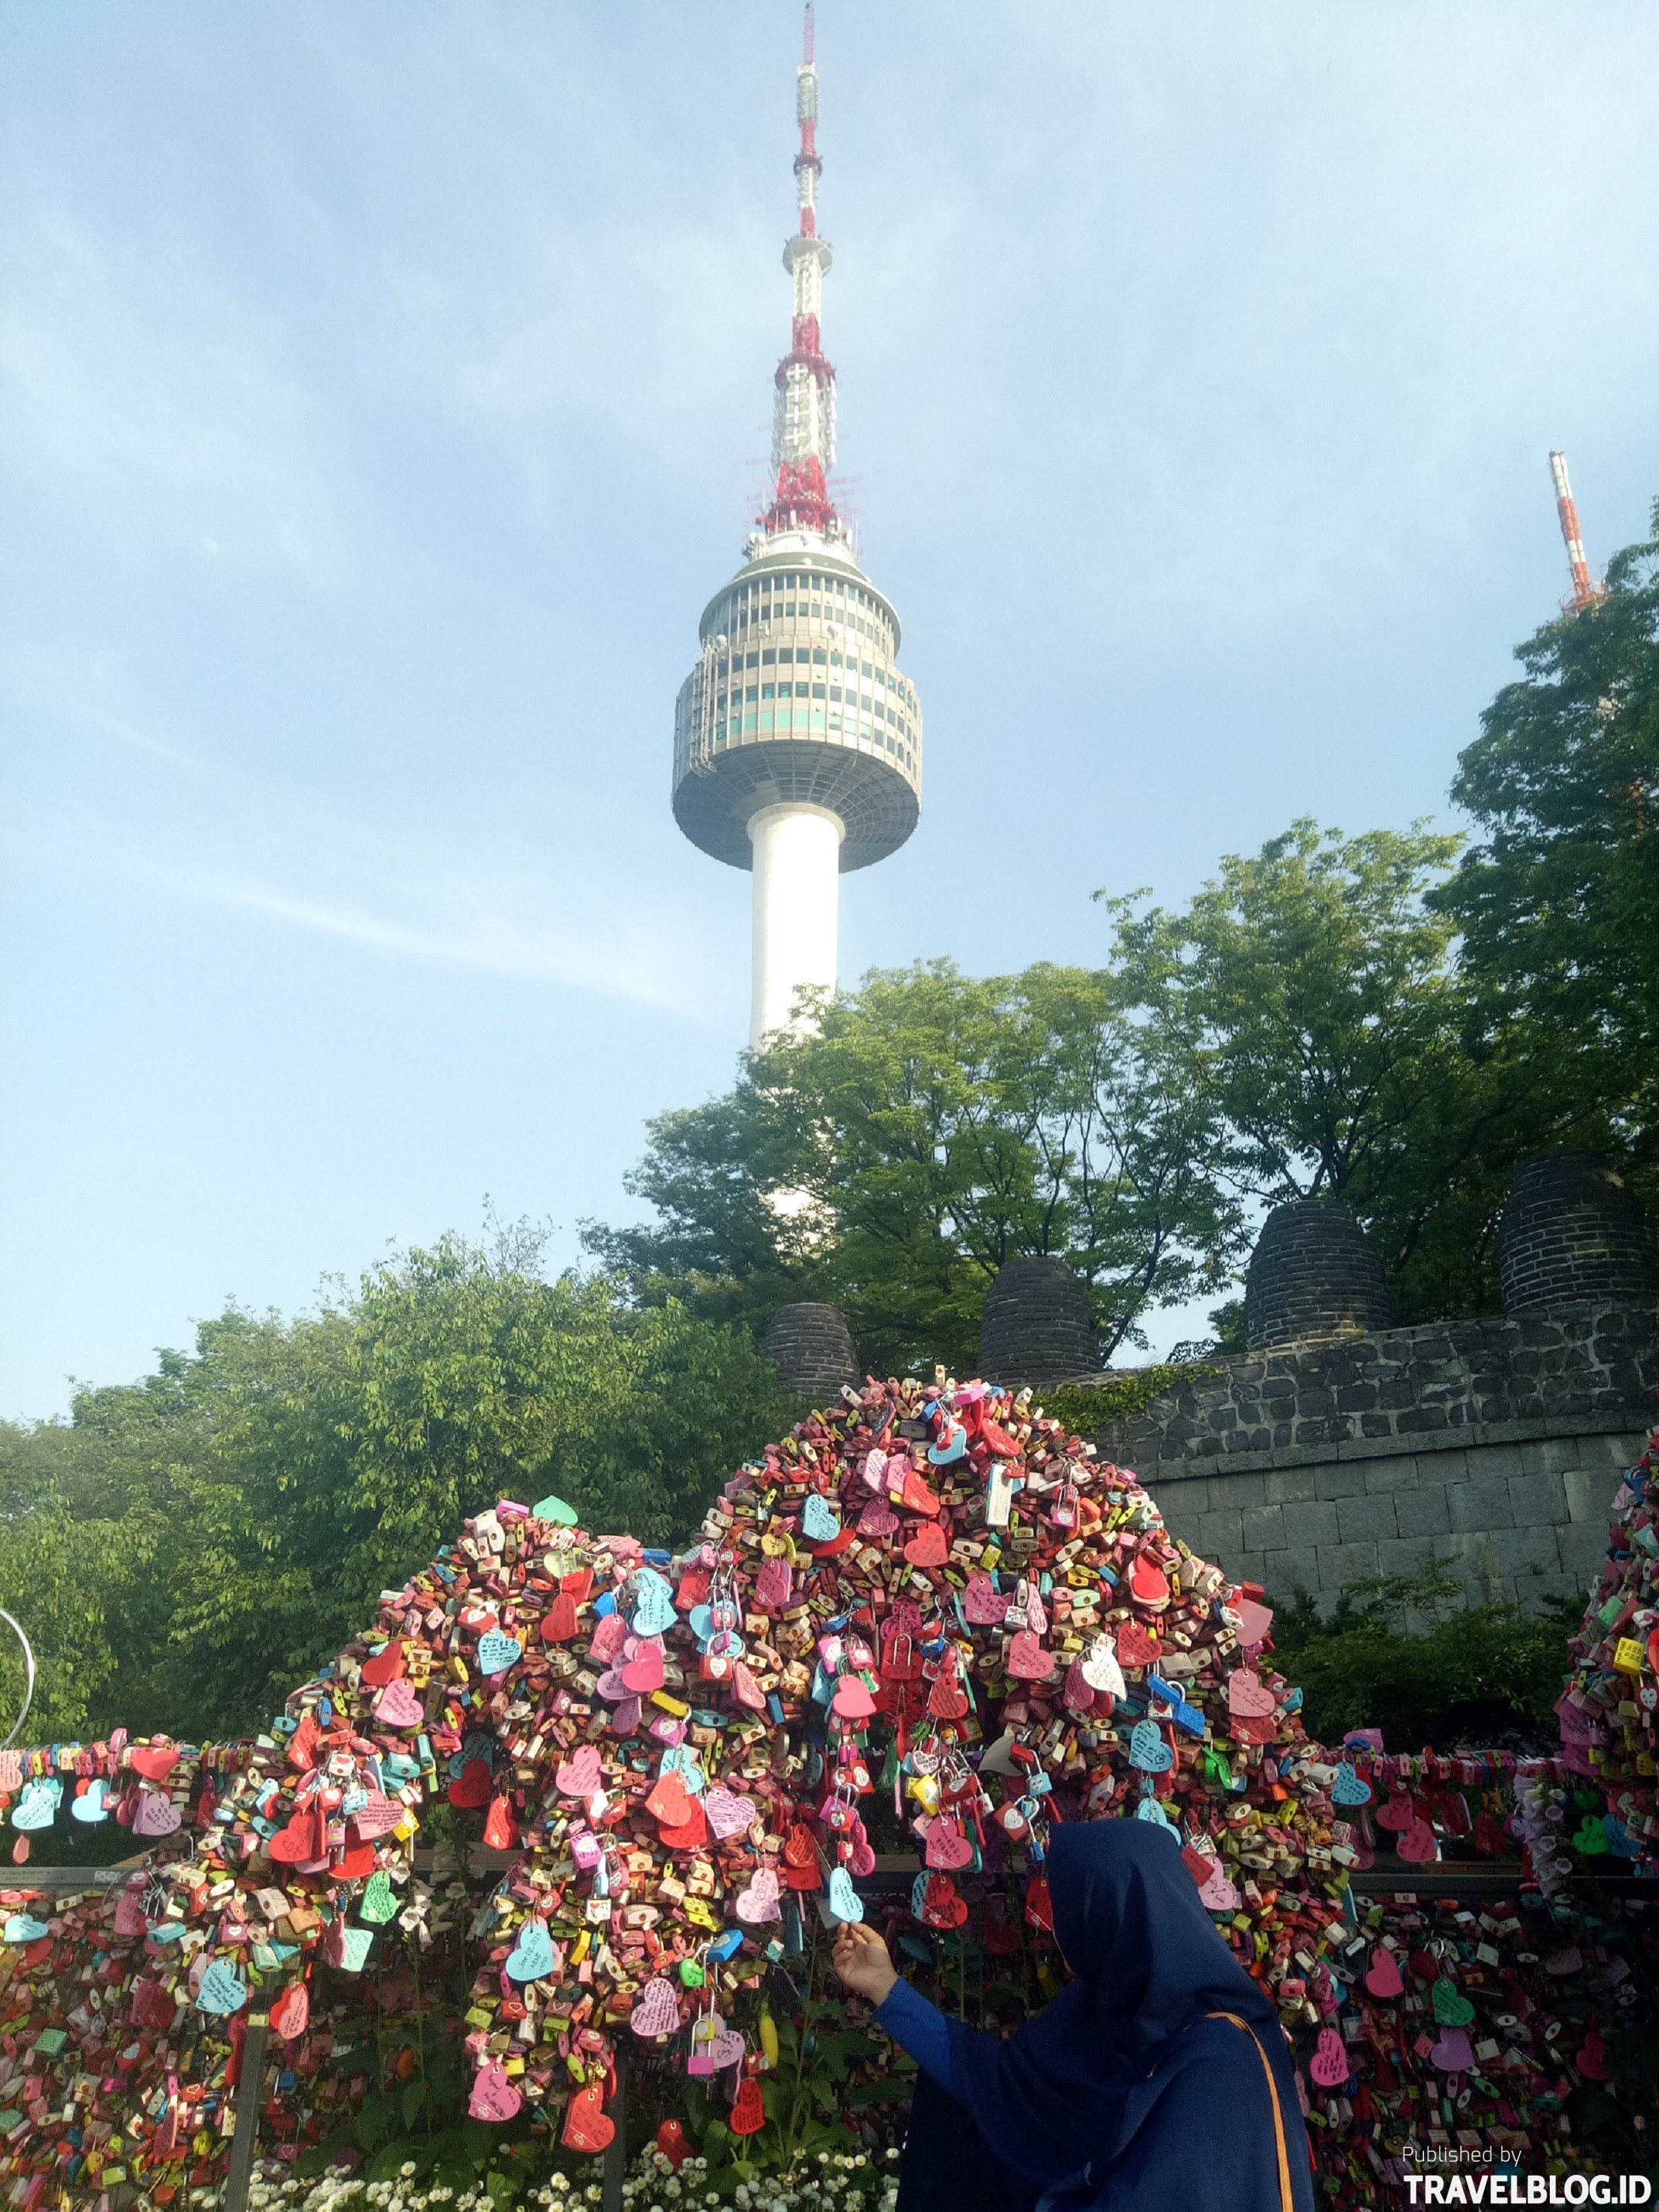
column 1585, row 592
column 804, row 417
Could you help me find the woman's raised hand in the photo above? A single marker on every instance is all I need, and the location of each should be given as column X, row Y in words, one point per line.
column 861, row 1960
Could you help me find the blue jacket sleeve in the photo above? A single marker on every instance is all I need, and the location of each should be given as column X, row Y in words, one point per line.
column 906, row 2015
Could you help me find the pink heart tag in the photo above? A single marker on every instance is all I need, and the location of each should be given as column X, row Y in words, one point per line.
column 1419, row 1844
column 981, row 1603
column 1329, row 2065
column 377, row 1817
column 745, row 1689
column 948, row 1846
column 157, row 1815
column 1249, row 1694
column 1254, row 1620
column 851, row 1700
column 398, row 1707
column 610, row 1634
column 625, row 1718
column 773, row 1585
column 727, row 1814
column 658, row 2009
column 1219, row 1894
column 582, row 1774
column 758, row 1900
column 130, row 1914
column 873, row 1470
column 494, row 2097
column 1383, row 1976
column 877, row 1519
column 1452, row 2054
column 643, row 1672
column 1027, row 1660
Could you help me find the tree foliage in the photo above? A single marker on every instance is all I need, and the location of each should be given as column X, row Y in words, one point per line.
column 933, row 1128
column 1556, row 901
column 184, row 1548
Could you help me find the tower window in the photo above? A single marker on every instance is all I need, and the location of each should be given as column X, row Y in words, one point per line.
column 786, row 652
column 818, row 690
column 768, row 657
column 750, row 663
column 766, row 691
column 817, row 656
column 751, row 692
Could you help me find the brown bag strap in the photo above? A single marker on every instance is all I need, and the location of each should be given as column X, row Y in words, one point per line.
column 1286, row 2202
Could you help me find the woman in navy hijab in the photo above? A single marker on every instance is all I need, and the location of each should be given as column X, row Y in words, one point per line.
column 1157, row 2079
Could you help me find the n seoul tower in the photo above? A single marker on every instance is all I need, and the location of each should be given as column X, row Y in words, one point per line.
column 797, row 742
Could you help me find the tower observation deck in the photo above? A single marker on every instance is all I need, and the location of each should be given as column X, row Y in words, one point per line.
column 797, row 740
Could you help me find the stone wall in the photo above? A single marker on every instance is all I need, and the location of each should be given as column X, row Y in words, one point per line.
column 1490, row 1448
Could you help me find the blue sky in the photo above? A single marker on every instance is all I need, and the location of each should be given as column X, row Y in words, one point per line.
column 384, row 388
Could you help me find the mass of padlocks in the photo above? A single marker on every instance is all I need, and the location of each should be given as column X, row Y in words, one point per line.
column 1609, row 1710
column 928, row 1621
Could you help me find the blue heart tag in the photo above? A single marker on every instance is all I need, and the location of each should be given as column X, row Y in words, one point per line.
column 653, row 1604
column 355, row 1944
column 1150, row 1809
column 532, row 1956
column 701, row 1622
column 219, row 1990
column 1348, row 1789
column 24, row 1927
column 953, row 1447
column 1147, row 1749
column 818, row 1523
column 89, row 1805
column 37, row 1805
column 844, row 1902
column 496, row 1652
column 680, row 1758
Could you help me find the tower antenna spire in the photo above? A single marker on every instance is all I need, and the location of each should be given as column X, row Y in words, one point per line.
column 804, row 409
column 1585, row 592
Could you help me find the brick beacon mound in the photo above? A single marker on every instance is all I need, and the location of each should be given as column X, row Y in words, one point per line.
column 925, row 1606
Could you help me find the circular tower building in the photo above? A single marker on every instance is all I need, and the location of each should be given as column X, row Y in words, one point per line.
column 797, row 741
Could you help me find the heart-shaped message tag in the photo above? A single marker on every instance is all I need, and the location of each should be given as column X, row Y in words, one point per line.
column 773, row 1585
column 1247, row 1693
column 1419, row 1846
column 928, row 1547
column 874, row 1470
column 219, row 1990
column 398, row 1707
column 1593, row 2057
column 1147, row 1749
column 501, row 1830
column 681, row 1759
column 657, row 2009
column 560, row 1622
column 471, row 1788
column 497, row 1652
column 689, row 1834
column 1220, row 1894
column 1253, row 1621
column 653, row 1604
column 1398, row 1813
column 38, row 1802
column 845, row 1903
column 1148, row 1583
column 494, row 2097
column 532, row 1956
column 93, row 1803
column 379, row 1903
column 948, row 1847
column 1348, row 1789
column 348, row 1949
column 982, row 1603
column 1329, row 2065
column 748, row 2109
column 290, row 2016
column 610, row 1634
column 555, row 1512
column 642, row 1671
column 1153, row 1813
column 728, row 1815
column 1197, row 1864
column 586, row 2128
column 670, row 1801
column 758, row 1900
column 1591, row 1838
column 1451, row 2008
column 819, row 1524
column 386, row 1666
column 155, row 1761
column 1028, row 1660
column 1452, row 2053
column 376, row 1816
column 1100, row 1669
column 1137, row 1645
column 155, row 1814
column 1382, row 1977
column 582, row 1774
column 851, row 1699
column 877, row 1519
column 24, row 1927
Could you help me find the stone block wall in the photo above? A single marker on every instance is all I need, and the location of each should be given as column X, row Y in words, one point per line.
column 1488, row 1448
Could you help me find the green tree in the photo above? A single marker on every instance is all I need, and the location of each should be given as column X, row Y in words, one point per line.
column 1556, row 901
column 1310, row 992
column 934, row 1128
column 189, row 1546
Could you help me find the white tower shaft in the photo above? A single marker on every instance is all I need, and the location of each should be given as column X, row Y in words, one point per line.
column 797, row 910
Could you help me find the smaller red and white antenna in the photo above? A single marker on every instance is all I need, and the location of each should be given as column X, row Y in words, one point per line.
column 804, row 409
column 1586, row 592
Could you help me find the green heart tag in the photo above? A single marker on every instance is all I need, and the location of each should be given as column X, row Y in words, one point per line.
column 556, row 1509
column 691, row 1974
column 1450, row 2009
column 379, row 1903
column 1591, row 1838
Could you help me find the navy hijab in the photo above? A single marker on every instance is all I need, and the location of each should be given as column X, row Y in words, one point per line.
column 1080, row 2084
